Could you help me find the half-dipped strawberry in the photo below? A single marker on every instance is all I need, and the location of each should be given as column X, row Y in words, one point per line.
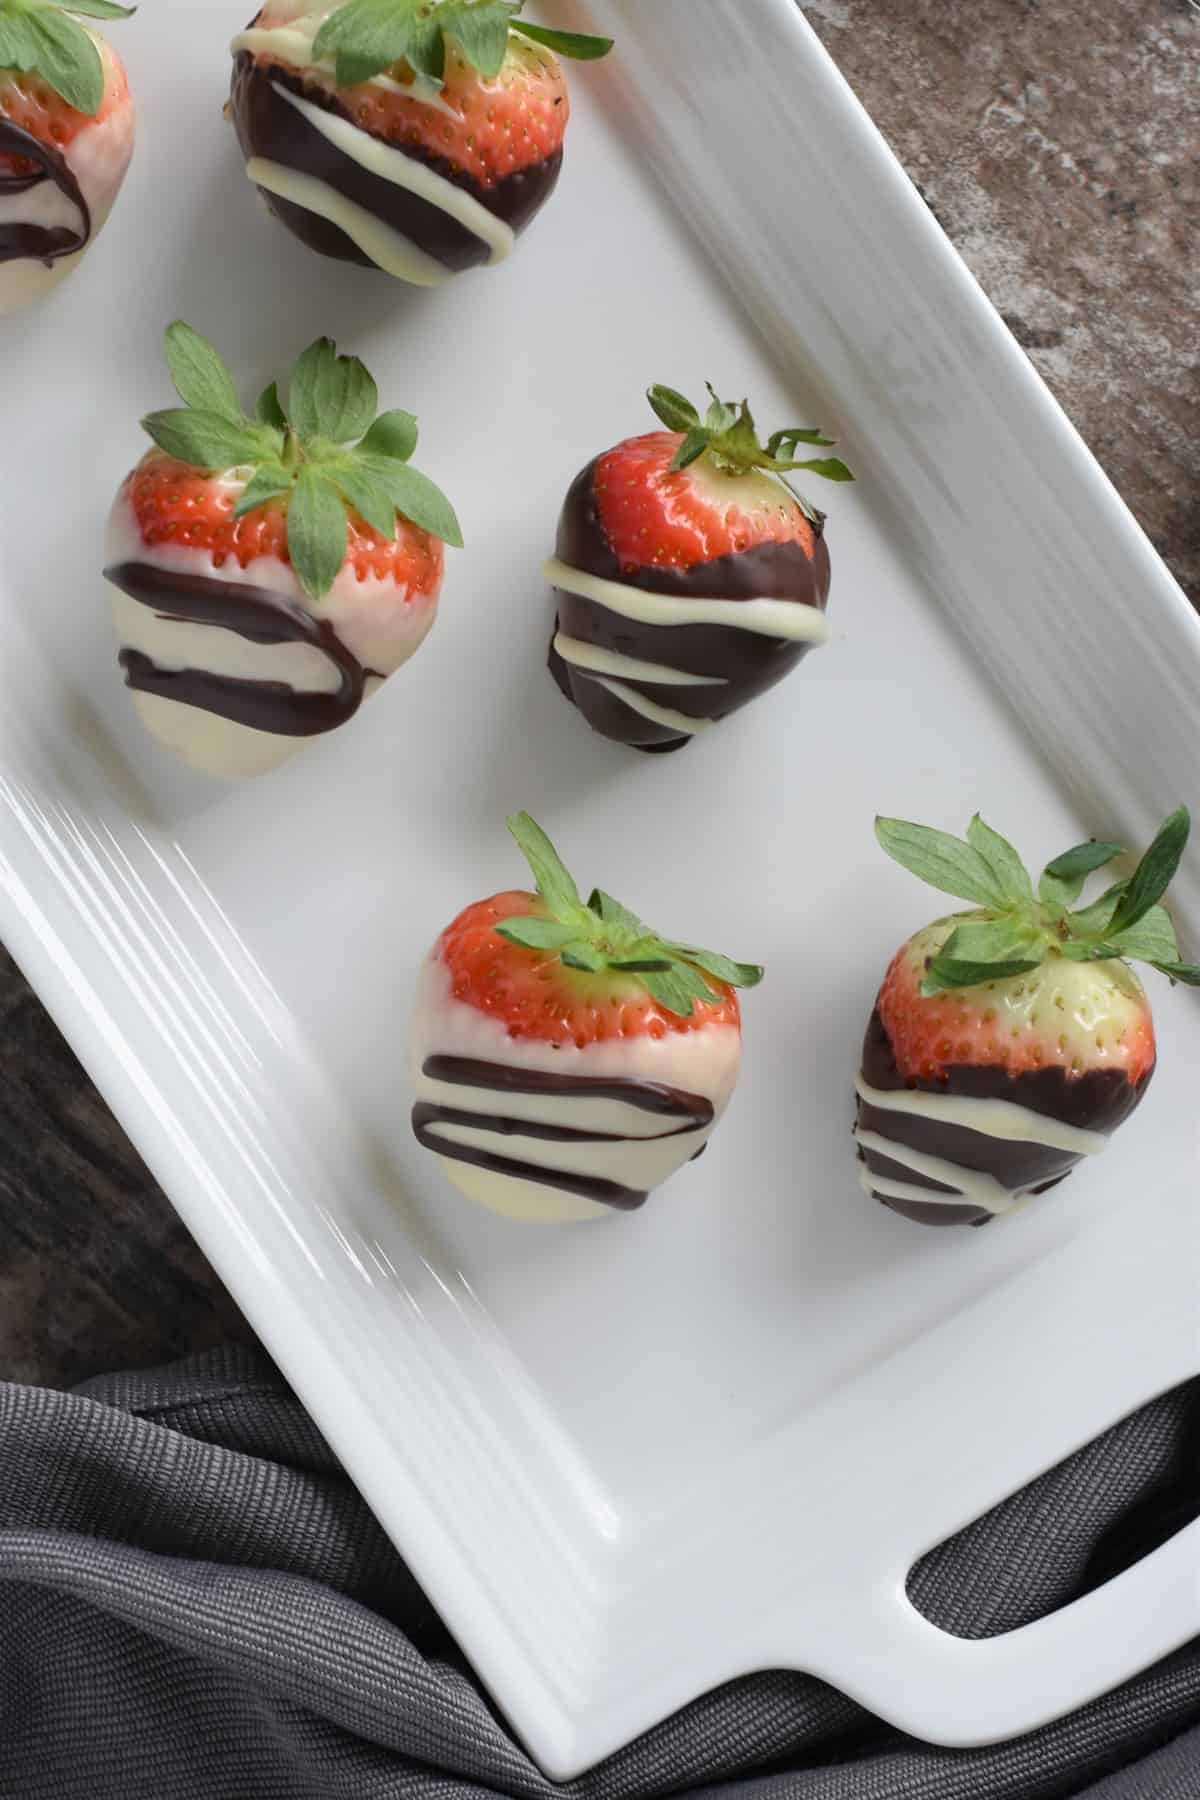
column 415, row 137
column 66, row 137
column 567, row 1059
column 1010, row 1041
column 689, row 576
column 267, row 574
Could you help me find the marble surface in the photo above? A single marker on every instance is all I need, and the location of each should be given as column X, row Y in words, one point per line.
column 1055, row 140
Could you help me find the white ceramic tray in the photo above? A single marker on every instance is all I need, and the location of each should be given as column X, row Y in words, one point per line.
column 631, row 1460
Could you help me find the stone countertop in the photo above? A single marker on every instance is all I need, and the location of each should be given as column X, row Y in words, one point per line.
column 1056, row 142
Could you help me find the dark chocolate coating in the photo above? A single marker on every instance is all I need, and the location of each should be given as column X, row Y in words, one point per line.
column 1098, row 1100
column 21, row 242
column 747, row 662
column 267, row 126
column 693, row 1110
column 259, row 616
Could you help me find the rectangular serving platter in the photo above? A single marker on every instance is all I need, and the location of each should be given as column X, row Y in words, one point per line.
column 632, row 1460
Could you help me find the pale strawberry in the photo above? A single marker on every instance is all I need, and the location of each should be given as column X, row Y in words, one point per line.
column 66, row 137
column 1010, row 1041
column 566, row 1058
column 268, row 572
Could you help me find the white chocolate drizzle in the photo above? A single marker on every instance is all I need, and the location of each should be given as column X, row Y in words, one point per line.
column 792, row 620
column 650, row 709
column 390, row 164
column 970, row 1187
column 991, row 1118
column 389, row 250
column 594, row 659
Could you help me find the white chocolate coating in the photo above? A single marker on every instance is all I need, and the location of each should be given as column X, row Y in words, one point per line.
column 649, row 1149
column 376, row 620
column 98, row 157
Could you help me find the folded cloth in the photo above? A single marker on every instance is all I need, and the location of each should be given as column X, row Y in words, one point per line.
column 195, row 1604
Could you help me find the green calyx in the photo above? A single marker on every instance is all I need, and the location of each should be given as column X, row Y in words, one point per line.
column 40, row 37
column 728, row 438
column 605, row 936
column 365, row 38
column 1017, row 928
column 325, row 453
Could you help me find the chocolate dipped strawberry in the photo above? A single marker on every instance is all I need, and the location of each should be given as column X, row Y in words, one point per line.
column 268, row 574
column 1009, row 1042
column 419, row 137
column 66, row 137
column 689, row 575
column 566, row 1058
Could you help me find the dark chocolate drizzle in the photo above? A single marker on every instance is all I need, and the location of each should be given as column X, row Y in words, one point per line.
column 1097, row 1100
column 261, row 617
column 748, row 663
column 648, row 1096
column 269, row 127
column 24, row 242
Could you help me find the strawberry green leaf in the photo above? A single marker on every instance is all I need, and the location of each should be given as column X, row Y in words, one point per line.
column 1062, row 880
column 365, row 37
column 201, row 379
column 393, row 434
column 423, row 504
column 947, row 972
column 579, row 954
column 98, row 9
column 640, row 963
column 994, row 941
column 68, row 59
column 1151, row 940
column 1003, row 861
column 672, row 990
column 720, row 417
column 735, row 974
column 206, row 440
column 676, row 412
column 481, row 29
column 18, row 46
column 1089, row 950
column 830, row 468
column 613, row 913
column 364, row 492
column 945, row 862
column 1094, row 920
column 331, row 396
column 554, row 883
column 269, row 410
column 267, row 483
column 577, row 45
column 783, row 443
column 1188, row 973
column 427, row 49
column 692, row 448
column 317, row 533
column 1153, row 875
column 537, row 934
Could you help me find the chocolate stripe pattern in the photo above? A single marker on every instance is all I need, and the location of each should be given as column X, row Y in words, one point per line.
column 721, row 632
column 349, row 194
column 979, row 1142
column 606, row 1140
column 258, row 616
column 21, row 240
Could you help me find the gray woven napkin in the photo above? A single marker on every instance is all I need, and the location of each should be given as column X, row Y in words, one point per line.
column 196, row 1605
